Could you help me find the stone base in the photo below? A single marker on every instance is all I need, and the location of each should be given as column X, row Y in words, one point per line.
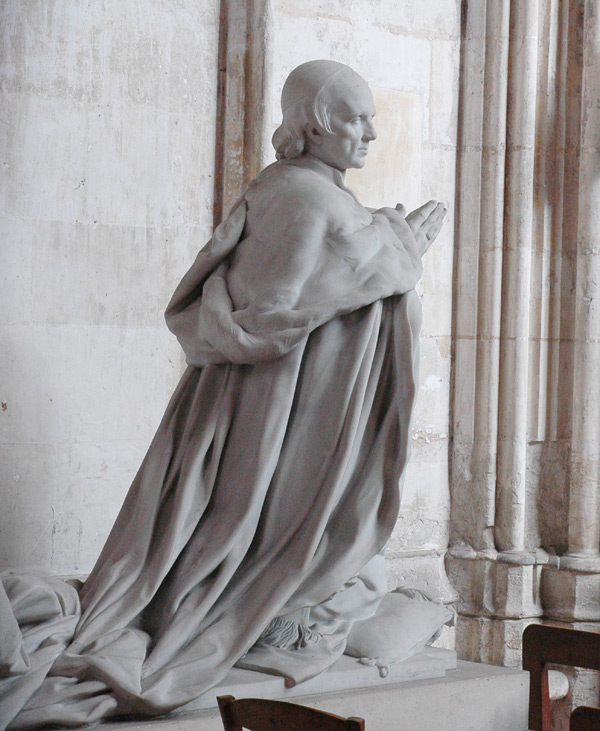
column 494, row 641
column 472, row 696
column 570, row 595
column 495, row 587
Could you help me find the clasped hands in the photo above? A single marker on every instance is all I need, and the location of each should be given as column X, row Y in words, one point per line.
column 424, row 223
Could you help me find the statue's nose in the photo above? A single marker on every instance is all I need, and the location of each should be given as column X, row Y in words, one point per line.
column 369, row 132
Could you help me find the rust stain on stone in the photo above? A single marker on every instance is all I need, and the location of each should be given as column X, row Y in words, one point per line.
column 4, row 406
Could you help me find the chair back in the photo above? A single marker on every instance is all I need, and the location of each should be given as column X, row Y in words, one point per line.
column 585, row 718
column 543, row 644
column 257, row 714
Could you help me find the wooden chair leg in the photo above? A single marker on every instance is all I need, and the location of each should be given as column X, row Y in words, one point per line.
column 546, row 717
column 539, row 695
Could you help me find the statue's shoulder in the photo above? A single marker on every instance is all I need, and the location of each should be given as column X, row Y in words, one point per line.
column 284, row 182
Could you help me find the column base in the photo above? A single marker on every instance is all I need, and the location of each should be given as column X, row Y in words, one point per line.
column 570, row 594
column 493, row 587
column 580, row 562
column 518, row 558
column 491, row 641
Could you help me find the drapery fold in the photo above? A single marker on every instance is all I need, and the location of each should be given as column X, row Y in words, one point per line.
column 274, row 478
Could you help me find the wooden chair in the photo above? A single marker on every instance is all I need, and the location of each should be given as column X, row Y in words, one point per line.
column 585, row 718
column 543, row 644
column 256, row 714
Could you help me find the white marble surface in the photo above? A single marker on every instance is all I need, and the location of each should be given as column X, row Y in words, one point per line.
column 472, row 697
column 347, row 673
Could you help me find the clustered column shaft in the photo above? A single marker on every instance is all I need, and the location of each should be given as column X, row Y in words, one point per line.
column 525, row 518
column 517, row 251
column 584, row 505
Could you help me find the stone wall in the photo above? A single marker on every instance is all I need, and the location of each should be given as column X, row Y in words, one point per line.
column 107, row 130
column 109, row 145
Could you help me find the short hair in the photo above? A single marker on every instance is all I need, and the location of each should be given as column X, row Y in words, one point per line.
column 289, row 139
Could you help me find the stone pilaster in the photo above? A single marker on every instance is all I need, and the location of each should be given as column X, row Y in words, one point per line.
column 242, row 98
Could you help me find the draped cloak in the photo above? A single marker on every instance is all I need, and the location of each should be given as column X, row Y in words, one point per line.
column 273, row 483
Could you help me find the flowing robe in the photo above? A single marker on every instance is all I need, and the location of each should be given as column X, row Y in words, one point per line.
column 253, row 531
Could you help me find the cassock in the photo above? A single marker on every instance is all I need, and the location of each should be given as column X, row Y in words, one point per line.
column 254, row 531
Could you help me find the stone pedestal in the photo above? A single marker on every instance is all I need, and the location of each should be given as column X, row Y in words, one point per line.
column 472, row 696
column 347, row 674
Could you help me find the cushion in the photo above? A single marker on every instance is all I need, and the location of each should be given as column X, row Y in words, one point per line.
column 402, row 626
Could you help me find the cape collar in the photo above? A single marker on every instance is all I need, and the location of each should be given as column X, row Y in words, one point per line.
column 333, row 175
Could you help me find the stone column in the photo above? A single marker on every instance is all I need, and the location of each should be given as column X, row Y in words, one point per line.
column 584, row 502
column 494, row 562
column 571, row 585
column 543, row 559
column 518, row 240
column 479, row 272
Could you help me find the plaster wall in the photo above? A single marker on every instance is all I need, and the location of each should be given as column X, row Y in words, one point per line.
column 409, row 53
column 107, row 152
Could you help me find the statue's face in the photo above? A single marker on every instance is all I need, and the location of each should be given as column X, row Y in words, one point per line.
column 351, row 113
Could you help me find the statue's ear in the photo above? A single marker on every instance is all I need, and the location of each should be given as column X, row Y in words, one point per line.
column 313, row 133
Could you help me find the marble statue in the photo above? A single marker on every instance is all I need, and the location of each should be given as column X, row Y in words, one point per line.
column 254, row 531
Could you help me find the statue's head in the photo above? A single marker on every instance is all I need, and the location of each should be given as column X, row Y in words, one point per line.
column 328, row 112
